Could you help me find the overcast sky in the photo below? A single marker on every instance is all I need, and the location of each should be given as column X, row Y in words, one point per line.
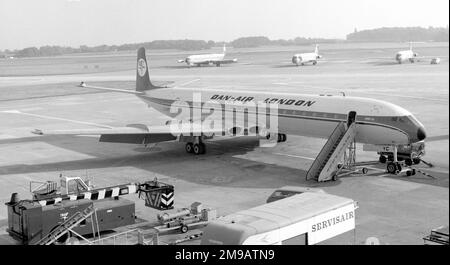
column 25, row 23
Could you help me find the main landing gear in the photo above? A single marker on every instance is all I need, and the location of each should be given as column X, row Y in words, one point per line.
column 194, row 145
column 197, row 149
column 281, row 138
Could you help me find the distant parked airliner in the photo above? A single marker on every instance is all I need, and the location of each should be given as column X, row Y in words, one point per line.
column 208, row 59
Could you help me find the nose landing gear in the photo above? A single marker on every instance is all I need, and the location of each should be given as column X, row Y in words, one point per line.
column 395, row 167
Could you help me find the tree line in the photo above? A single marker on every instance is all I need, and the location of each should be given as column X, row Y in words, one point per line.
column 400, row 34
column 375, row 35
column 185, row 45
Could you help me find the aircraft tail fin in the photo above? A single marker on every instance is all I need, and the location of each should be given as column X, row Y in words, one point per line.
column 316, row 50
column 410, row 45
column 224, row 49
column 143, row 82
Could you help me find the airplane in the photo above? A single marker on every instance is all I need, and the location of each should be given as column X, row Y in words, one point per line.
column 410, row 55
column 406, row 55
column 311, row 57
column 212, row 58
column 377, row 122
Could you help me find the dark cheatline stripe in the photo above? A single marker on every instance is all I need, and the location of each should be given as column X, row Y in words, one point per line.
column 386, row 122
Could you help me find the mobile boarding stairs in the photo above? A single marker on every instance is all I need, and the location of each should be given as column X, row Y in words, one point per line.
column 338, row 156
column 327, row 165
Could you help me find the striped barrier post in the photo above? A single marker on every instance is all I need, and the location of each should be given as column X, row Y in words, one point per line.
column 98, row 194
column 157, row 195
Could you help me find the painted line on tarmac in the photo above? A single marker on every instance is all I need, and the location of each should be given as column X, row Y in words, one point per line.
column 32, row 109
column 57, row 118
column 60, row 103
column 296, row 156
column 188, row 82
column 8, row 137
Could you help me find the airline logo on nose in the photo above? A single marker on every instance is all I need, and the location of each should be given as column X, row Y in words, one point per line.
column 141, row 67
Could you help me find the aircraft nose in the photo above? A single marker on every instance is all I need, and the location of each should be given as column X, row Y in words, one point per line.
column 421, row 135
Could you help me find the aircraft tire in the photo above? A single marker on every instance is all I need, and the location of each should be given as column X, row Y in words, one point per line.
column 315, row 62
column 365, row 170
column 184, row 228
column 391, row 168
column 196, row 149
column 189, row 148
column 416, row 161
column 408, row 162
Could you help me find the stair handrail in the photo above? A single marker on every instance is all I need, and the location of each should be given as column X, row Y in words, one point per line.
column 332, row 139
column 49, row 238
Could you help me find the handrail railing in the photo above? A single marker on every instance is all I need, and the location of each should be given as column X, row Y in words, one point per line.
column 335, row 135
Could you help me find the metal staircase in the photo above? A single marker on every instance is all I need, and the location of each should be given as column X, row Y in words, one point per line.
column 66, row 226
column 326, row 163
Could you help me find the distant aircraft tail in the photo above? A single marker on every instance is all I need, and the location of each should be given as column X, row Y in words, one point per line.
column 316, row 50
column 142, row 77
column 410, row 45
column 224, row 49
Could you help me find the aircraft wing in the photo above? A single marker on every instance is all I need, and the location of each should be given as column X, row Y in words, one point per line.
column 227, row 61
column 138, row 133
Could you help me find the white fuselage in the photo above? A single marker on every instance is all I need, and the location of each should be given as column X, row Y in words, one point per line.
column 378, row 122
column 302, row 58
column 405, row 55
column 204, row 58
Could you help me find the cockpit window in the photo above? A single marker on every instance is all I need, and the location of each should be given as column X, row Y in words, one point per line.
column 414, row 121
